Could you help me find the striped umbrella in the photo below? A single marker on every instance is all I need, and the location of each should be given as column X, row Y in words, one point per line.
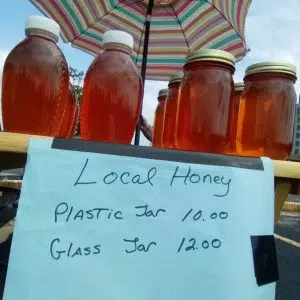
column 178, row 27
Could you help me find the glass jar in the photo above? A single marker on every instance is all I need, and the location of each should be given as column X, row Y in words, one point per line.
column 238, row 90
column 35, row 81
column 112, row 92
column 159, row 118
column 205, row 102
column 267, row 108
column 168, row 136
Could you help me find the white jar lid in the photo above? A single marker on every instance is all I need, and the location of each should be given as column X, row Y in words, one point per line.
column 43, row 23
column 119, row 37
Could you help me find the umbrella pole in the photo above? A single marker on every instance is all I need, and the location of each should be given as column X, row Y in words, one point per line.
column 144, row 64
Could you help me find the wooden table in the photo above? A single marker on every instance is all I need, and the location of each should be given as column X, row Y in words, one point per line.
column 13, row 152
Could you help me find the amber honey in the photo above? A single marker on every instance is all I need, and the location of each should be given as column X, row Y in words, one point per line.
column 159, row 118
column 112, row 93
column 168, row 137
column 70, row 116
column 205, row 102
column 266, row 113
column 238, row 90
column 35, row 81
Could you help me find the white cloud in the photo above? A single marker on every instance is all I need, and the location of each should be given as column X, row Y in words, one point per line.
column 272, row 28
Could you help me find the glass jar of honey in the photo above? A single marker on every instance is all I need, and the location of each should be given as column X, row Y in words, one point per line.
column 159, row 118
column 238, row 90
column 205, row 102
column 168, row 137
column 267, row 108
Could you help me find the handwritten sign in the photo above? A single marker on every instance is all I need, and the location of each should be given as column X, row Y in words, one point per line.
column 115, row 222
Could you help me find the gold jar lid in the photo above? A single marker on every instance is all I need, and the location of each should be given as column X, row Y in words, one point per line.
column 177, row 77
column 163, row 92
column 272, row 67
column 239, row 86
column 211, row 55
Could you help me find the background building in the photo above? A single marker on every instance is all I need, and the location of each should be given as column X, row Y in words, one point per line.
column 296, row 148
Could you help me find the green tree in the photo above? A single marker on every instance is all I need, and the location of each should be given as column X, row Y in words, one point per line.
column 76, row 84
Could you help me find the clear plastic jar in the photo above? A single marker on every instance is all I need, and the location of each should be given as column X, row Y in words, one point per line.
column 112, row 92
column 205, row 102
column 159, row 118
column 168, row 136
column 267, row 108
column 35, row 81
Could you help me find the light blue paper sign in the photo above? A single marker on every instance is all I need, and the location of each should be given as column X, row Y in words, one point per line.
column 116, row 227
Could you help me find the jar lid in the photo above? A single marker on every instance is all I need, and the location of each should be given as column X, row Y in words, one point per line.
column 163, row 92
column 119, row 37
column 42, row 23
column 239, row 86
column 265, row 67
column 177, row 77
column 211, row 55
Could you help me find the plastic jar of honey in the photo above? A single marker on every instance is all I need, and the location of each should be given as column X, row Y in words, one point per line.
column 267, row 108
column 159, row 118
column 168, row 136
column 112, row 92
column 205, row 102
column 35, row 81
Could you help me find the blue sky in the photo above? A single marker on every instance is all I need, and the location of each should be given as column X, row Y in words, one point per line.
column 272, row 33
column 13, row 14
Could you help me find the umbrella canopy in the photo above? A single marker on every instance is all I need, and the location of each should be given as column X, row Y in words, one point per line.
column 178, row 27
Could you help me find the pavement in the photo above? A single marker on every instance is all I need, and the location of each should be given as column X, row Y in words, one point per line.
column 293, row 204
column 288, row 252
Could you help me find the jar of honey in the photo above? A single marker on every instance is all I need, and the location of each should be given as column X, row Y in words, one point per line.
column 168, row 136
column 205, row 102
column 238, row 90
column 267, row 108
column 35, row 81
column 112, row 92
column 159, row 118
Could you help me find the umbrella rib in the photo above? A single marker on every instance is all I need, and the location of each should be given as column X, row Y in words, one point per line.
column 101, row 18
column 176, row 16
column 91, row 24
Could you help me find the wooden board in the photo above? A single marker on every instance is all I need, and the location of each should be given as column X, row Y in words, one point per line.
column 14, row 146
column 13, row 154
